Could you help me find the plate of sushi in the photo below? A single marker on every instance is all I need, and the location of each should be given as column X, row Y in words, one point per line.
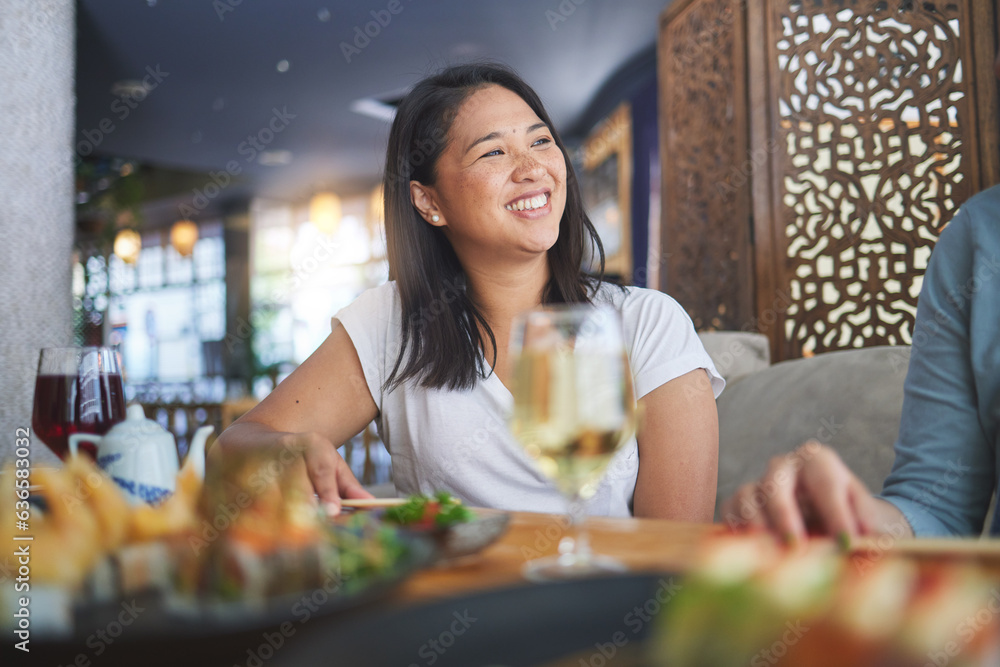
column 246, row 547
column 754, row 600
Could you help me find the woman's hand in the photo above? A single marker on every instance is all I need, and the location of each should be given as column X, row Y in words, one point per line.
column 327, row 470
column 309, row 456
column 812, row 491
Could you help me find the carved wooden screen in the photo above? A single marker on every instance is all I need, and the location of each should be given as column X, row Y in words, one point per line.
column 851, row 129
column 873, row 107
column 706, row 259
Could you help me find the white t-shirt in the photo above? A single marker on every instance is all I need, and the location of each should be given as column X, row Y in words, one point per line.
column 457, row 440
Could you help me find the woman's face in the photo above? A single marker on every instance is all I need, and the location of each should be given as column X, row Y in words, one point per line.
column 501, row 181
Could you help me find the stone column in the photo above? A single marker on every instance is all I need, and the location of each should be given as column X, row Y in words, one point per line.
column 37, row 105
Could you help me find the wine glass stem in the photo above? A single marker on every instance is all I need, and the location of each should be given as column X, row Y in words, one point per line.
column 578, row 528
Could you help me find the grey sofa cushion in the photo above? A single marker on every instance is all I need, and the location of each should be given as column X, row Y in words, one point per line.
column 383, row 490
column 737, row 353
column 850, row 400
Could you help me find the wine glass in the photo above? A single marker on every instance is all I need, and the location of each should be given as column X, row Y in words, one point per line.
column 574, row 407
column 77, row 390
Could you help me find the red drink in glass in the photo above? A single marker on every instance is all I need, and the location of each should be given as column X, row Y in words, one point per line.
column 62, row 408
column 78, row 390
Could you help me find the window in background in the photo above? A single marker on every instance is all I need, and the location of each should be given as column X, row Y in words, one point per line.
column 299, row 278
column 166, row 313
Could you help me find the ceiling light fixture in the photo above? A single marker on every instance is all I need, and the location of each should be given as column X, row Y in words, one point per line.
column 275, row 158
column 130, row 88
column 325, row 212
column 183, row 236
column 378, row 205
column 127, row 245
column 382, row 107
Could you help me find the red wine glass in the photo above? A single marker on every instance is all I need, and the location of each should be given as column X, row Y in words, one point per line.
column 77, row 390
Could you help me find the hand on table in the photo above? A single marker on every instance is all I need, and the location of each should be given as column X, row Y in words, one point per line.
column 328, row 472
column 310, row 457
column 810, row 491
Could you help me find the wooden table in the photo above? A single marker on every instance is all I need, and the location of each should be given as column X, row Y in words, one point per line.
column 644, row 545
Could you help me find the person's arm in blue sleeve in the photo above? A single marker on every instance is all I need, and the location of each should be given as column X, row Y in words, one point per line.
column 943, row 475
column 945, row 468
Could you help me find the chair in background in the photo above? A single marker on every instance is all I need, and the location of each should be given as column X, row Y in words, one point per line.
column 737, row 353
column 850, row 400
column 233, row 410
column 183, row 419
column 375, row 469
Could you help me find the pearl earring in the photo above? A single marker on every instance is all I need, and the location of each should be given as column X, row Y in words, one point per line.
column 435, row 217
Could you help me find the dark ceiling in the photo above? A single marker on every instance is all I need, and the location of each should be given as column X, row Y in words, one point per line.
column 220, row 82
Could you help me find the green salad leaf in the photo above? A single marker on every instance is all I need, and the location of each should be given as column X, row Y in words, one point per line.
column 442, row 510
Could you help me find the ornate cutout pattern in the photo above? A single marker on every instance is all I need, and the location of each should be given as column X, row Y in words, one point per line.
column 876, row 125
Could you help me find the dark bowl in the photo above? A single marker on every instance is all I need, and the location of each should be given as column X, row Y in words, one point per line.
column 465, row 539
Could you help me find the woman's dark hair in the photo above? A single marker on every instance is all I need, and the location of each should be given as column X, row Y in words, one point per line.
column 441, row 341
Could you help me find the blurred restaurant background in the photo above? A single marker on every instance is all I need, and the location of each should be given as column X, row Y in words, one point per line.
column 198, row 183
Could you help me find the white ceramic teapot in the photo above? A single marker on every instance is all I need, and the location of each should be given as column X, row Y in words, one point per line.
column 141, row 456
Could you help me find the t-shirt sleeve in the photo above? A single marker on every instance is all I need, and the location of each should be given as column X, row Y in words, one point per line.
column 371, row 321
column 664, row 344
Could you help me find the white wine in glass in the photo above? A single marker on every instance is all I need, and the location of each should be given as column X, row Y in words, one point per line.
column 574, row 407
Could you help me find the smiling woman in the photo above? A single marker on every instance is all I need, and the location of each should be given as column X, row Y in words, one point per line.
column 498, row 151
column 484, row 220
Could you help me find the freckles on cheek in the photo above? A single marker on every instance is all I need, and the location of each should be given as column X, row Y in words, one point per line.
column 478, row 188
